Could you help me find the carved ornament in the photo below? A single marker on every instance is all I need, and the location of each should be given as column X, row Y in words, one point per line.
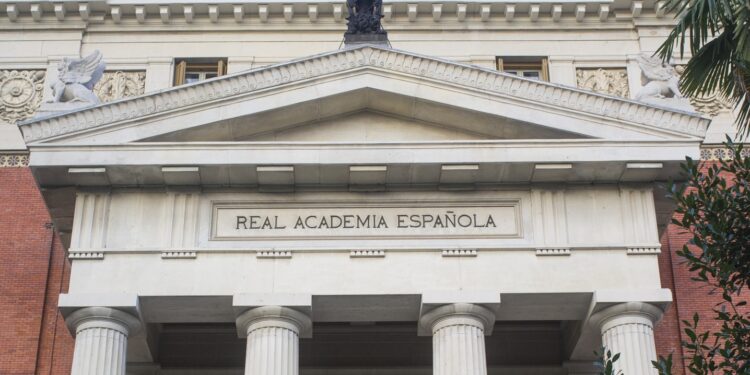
column 14, row 160
column 20, row 94
column 119, row 84
column 604, row 81
column 427, row 68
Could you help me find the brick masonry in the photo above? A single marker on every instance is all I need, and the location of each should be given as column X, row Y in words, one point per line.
column 33, row 337
column 689, row 297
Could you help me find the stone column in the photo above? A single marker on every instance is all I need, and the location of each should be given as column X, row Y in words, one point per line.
column 458, row 332
column 273, row 339
column 101, row 335
column 628, row 329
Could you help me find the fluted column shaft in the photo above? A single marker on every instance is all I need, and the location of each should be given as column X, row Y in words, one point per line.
column 628, row 329
column 273, row 339
column 458, row 332
column 101, row 340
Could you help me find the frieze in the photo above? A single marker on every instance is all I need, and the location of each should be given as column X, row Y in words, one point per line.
column 252, row 221
column 14, row 160
column 21, row 93
column 604, row 81
column 353, row 58
column 720, row 153
column 120, row 84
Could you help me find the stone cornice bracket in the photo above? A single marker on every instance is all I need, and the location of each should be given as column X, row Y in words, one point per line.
column 274, row 316
column 458, row 314
column 624, row 313
column 98, row 317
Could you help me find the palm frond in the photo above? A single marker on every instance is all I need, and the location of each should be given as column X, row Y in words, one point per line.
column 717, row 33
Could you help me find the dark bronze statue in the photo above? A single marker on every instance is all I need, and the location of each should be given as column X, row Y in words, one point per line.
column 364, row 17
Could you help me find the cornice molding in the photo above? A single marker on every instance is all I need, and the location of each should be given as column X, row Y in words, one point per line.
column 169, row 11
column 467, row 76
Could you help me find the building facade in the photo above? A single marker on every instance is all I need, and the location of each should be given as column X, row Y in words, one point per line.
column 482, row 195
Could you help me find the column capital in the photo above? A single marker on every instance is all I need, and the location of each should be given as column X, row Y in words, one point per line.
column 102, row 317
column 622, row 313
column 274, row 316
column 457, row 314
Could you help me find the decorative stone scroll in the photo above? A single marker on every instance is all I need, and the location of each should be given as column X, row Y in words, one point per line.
column 120, row 84
column 21, row 94
column 604, row 81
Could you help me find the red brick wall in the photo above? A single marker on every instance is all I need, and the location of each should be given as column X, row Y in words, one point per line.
column 689, row 297
column 33, row 336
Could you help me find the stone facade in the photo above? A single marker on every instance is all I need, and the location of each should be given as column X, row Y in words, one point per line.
column 327, row 211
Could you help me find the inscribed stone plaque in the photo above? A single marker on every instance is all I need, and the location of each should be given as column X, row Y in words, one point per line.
column 257, row 221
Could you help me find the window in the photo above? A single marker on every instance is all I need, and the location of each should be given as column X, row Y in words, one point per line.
column 194, row 70
column 527, row 67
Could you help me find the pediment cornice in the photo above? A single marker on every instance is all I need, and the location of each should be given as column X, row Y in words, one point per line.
column 364, row 57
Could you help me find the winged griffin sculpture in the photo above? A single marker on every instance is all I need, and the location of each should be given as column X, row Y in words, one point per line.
column 661, row 84
column 76, row 79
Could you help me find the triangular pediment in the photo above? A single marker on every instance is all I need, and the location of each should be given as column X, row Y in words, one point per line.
column 366, row 125
column 362, row 94
column 365, row 115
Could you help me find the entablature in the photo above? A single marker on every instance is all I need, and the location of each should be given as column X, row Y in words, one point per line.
column 360, row 165
column 321, row 14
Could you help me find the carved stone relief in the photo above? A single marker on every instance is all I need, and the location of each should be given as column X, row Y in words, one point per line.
column 118, row 85
column 719, row 152
column 358, row 58
column 605, row 81
column 21, row 94
column 710, row 105
column 14, row 160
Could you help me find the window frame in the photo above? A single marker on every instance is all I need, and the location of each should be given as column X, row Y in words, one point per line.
column 522, row 64
column 183, row 66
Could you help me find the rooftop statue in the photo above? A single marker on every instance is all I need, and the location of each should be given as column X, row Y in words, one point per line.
column 363, row 23
column 661, row 84
column 73, row 87
column 76, row 79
